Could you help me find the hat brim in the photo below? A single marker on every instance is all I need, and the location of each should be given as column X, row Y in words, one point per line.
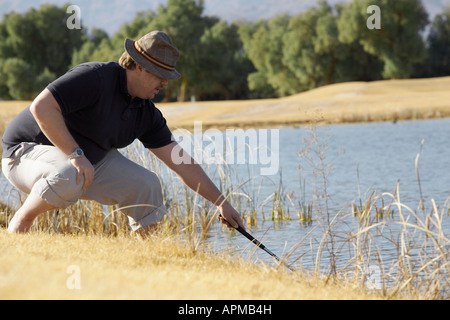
column 149, row 66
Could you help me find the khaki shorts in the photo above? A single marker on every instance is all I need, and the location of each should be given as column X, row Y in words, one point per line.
column 47, row 171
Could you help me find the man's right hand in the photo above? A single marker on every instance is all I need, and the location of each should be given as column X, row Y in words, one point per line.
column 84, row 168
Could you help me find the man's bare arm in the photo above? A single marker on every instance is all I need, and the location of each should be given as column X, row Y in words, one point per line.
column 47, row 113
column 195, row 178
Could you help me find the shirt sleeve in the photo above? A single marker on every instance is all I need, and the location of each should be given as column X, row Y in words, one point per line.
column 158, row 135
column 77, row 89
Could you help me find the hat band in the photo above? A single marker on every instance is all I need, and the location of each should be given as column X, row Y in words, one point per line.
column 149, row 58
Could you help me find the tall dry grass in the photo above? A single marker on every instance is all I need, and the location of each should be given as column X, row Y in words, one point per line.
column 394, row 249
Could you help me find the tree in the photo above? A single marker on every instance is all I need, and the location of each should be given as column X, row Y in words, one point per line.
column 263, row 43
column 183, row 21
column 293, row 54
column 18, row 79
column 55, row 42
column 311, row 47
column 38, row 46
column 398, row 43
column 439, row 45
column 224, row 64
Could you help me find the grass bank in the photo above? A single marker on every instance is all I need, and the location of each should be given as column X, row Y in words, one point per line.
column 43, row 266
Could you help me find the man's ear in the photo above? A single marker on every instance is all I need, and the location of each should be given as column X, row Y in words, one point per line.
column 138, row 69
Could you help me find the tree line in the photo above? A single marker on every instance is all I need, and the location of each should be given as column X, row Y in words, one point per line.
column 281, row 56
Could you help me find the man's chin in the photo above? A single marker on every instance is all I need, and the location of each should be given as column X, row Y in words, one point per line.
column 149, row 97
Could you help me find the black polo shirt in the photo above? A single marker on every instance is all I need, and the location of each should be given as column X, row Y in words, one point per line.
column 98, row 112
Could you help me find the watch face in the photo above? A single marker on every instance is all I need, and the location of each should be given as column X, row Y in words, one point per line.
column 79, row 152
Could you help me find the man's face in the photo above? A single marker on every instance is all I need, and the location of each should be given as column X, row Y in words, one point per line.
column 147, row 85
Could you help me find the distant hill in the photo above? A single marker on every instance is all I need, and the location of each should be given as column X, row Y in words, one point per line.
column 387, row 100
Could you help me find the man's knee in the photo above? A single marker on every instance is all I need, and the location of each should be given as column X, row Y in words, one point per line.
column 147, row 189
column 145, row 197
column 153, row 182
column 60, row 189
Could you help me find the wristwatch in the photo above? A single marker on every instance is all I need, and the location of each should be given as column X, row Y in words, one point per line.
column 76, row 154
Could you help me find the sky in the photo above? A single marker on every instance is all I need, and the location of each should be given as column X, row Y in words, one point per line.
column 110, row 15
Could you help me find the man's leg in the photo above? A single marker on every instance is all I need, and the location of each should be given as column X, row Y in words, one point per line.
column 24, row 217
column 45, row 173
column 137, row 191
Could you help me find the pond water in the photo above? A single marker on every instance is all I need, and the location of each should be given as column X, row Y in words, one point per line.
column 357, row 159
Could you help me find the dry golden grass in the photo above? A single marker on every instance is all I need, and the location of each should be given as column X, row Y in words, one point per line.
column 11, row 108
column 35, row 266
column 339, row 103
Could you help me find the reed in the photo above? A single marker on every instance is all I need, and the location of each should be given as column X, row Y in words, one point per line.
column 280, row 210
column 422, row 266
column 305, row 209
column 365, row 209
